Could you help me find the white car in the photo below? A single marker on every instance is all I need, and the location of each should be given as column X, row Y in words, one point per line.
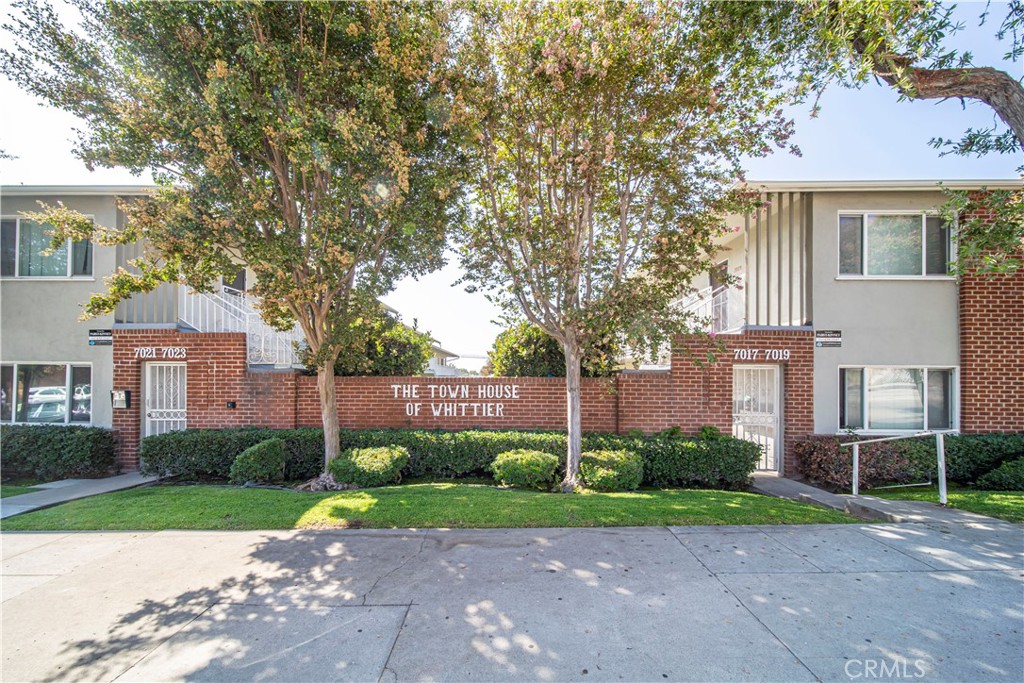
column 47, row 395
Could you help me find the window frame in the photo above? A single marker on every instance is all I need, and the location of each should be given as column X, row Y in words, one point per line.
column 863, row 214
column 954, row 398
column 68, row 388
column 68, row 266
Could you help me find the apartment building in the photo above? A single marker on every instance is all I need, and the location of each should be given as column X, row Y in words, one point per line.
column 841, row 315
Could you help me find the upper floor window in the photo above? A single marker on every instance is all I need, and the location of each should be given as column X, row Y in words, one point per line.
column 893, row 244
column 24, row 252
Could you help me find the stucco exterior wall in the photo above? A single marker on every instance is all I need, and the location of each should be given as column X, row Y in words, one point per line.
column 911, row 322
column 39, row 316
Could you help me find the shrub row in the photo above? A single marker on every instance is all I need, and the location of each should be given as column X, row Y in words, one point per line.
column 713, row 462
column 1007, row 477
column 51, row 452
column 209, row 453
column 968, row 458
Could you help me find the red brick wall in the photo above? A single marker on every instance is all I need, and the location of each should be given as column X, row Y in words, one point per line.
column 991, row 350
column 703, row 392
column 367, row 402
column 216, row 374
column 690, row 396
column 992, row 353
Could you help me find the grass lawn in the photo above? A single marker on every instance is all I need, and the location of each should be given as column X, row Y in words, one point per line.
column 15, row 490
column 1008, row 505
column 426, row 505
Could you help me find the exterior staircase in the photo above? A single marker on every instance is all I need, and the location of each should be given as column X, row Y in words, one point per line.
column 231, row 310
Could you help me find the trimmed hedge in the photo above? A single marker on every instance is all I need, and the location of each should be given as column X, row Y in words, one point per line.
column 526, row 469
column 968, row 457
column 365, row 467
column 1007, row 477
column 52, row 452
column 262, row 463
column 611, row 470
column 971, row 456
column 209, row 453
column 719, row 462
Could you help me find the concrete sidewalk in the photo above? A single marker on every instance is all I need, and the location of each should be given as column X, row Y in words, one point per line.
column 868, row 507
column 69, row 489
column 799, row 603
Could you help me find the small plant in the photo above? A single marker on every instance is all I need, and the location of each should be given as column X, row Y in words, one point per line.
column 262, row 463
column 1007, row 477
column 526, row 469
column 612, row 470
column 710, row 432
column 370, row 466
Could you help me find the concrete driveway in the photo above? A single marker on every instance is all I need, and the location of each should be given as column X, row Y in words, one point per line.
column 835, row 603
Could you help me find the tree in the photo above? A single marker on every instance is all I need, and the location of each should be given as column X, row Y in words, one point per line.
column 905, row 44
column 604, row 139
column 307, row 140
column 525, row 350
column 384, row 347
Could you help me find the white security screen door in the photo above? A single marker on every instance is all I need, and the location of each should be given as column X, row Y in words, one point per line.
column 165, row 398
column 755, row 410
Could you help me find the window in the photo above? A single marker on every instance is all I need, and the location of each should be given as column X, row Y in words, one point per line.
column 893, row 245
column 37, row 393
column 896, row 399
column 22, row 247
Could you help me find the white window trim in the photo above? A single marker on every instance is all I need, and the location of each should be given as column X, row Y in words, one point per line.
column 47, row 278
column 864, row 213
column 954, row 398
column 67, row 388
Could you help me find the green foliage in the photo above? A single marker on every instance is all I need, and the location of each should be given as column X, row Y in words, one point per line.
column 380, row 345
column 370, row 466
column 49, row 453
column 988, row 230
column 200, row 454
column 525, row 350
column 968, row 457
column 526, row 469
column 611, row 470
column 720, row 463
column 605, row 139
column 263, row 463
column 1007, row 477
column 310, row 141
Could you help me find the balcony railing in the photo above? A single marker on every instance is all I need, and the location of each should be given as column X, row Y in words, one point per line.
column 231, row 310
column 721, row 308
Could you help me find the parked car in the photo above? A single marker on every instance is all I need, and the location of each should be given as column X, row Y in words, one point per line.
column 52, row 411
column 46, row 395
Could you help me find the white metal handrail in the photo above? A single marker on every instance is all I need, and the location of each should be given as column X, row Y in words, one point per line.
column 722, row 307
column 231, row 310
column 940, row 454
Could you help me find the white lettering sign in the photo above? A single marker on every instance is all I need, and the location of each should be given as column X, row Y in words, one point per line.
column 166, row 352
column 758, row 354
column 456, row 400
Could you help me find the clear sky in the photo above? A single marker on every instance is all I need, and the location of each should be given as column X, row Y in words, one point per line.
column 864, row 134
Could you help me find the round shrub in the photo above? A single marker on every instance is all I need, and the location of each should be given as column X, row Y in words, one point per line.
column 370, row 466
column 1007, row 477
column 525, row 469
column 611, row 470
column 262, row 463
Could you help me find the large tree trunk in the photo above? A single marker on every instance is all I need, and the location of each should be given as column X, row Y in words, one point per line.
column 328, row 411
column 574, row 436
